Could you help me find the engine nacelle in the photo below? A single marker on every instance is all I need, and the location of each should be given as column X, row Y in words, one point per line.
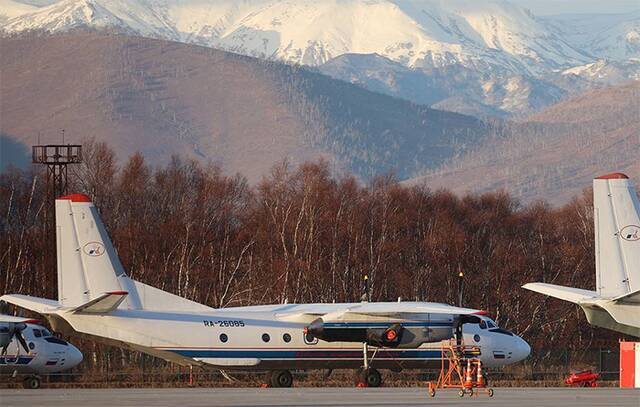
column 391, row 336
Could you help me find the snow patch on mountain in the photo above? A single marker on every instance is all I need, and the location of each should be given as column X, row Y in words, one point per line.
column 10, row 9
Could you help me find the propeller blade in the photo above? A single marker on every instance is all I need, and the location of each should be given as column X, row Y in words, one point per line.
column 18, row 334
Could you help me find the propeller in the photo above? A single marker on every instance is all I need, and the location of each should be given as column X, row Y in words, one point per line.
column 8, row 332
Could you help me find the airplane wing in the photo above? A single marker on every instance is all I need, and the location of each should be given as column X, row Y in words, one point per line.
column 397, row 310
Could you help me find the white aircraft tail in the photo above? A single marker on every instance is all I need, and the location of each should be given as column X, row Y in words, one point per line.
column 91, row 278
column 617, row 235
column 88, row 265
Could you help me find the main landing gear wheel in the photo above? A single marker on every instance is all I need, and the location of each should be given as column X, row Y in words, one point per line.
column 32, row 383
column 280, row 378
column 371, row 377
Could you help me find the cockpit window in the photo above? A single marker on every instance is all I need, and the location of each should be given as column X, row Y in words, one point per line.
column 37, row 333
column 46, row 333
column 491, row 324
column 483, row 325
column 53, row 339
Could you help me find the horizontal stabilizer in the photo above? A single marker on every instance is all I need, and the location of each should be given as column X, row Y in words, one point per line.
column 18, row 320
column 575, row 295
column 104, row 304
column 633, row 297
column 35, row 304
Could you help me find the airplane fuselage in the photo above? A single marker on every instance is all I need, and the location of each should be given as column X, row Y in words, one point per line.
column 258, row 338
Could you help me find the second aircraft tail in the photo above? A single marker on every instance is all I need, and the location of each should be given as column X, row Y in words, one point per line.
column 617, row 235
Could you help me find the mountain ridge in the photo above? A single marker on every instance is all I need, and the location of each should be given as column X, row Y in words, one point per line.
column 493, row 57
column 245, row 114
column 554, row 154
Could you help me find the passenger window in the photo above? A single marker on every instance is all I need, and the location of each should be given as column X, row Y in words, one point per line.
column 483, row 325
column 266, row 338
column 37, row 333
column 286, row 338
column 224, row 338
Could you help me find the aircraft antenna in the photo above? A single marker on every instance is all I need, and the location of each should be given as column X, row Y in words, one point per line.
column 460, row 288
column 366, row 296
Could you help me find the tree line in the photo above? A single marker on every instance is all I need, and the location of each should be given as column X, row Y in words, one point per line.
column 306, row 235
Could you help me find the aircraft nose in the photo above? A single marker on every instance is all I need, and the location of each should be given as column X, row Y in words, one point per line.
column 74, row 356
column 522, row 350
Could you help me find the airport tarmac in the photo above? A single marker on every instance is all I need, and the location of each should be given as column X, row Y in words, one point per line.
column 518, row 397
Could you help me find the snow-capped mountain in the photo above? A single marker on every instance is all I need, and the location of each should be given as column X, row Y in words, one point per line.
column 489, row 55
column 609, row 36
column 426, row 33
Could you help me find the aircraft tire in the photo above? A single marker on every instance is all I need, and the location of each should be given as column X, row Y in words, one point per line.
column 371, row 377
column 31, row 383
column 280, row 378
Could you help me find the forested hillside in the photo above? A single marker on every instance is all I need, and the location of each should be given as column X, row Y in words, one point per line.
column 554, row 154
column 164, row 98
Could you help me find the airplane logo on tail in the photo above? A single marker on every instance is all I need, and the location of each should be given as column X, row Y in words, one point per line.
column 630, row 233
column 94, row 249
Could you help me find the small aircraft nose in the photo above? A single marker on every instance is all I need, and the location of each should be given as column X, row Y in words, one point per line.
column 74, row 356
column 522, row 349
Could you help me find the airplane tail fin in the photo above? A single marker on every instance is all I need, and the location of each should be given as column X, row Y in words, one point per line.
column 91, row 278
column 617, row 235
column 88, row 265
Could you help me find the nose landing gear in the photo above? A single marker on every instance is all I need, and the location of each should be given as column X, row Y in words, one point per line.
column 31, row 382
column 369, row 377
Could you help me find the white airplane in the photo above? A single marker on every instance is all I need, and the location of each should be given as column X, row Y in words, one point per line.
column 28, row 348
column 96, row 297
column 616, row 302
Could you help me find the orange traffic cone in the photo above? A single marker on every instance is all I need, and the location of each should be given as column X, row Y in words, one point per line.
column 468, row 379
column 481, row 382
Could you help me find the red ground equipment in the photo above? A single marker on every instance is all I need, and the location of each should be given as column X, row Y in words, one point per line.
column 583, row 379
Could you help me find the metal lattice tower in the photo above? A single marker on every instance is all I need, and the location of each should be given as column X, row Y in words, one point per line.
column 57, row 158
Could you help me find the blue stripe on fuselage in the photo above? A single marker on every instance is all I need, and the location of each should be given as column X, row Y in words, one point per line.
column 21, row 360
column 307, row 354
